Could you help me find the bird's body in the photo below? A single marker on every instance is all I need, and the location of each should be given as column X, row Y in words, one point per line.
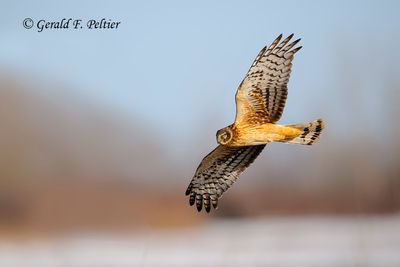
column 260, row 134
column 260, row 100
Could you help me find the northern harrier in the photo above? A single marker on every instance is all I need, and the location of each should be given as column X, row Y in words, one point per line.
column 260, row 99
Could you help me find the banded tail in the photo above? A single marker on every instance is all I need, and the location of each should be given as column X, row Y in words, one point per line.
column 310, row 132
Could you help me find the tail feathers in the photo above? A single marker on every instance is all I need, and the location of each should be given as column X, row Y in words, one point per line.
column 310, row 132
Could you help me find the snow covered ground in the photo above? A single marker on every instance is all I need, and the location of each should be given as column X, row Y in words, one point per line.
column 285, row 242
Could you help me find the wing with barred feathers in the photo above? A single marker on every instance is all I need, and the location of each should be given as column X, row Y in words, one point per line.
column 217, row 172
column 262, row 94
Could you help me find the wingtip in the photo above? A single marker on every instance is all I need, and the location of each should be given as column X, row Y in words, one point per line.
column 208, row 209
column 199, row 207
column 278, row 38
column 192, row 199
column 297, row 49
column 297, row 40
column 199, row 202
column 287, row 39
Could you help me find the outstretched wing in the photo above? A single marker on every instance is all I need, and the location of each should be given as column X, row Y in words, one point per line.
column 217, row 172
column 262, row 94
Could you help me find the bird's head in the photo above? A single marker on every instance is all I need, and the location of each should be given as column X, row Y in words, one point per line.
column 224, row 135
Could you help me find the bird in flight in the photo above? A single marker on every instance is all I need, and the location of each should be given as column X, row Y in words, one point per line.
column 260, row 100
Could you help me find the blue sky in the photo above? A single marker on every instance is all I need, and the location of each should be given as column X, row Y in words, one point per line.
column 176, row 65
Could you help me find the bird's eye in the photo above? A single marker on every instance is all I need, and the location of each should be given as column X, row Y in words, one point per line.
column 226, row 135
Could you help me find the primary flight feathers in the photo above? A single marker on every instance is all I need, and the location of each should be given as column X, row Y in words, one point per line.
column 260, row 100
